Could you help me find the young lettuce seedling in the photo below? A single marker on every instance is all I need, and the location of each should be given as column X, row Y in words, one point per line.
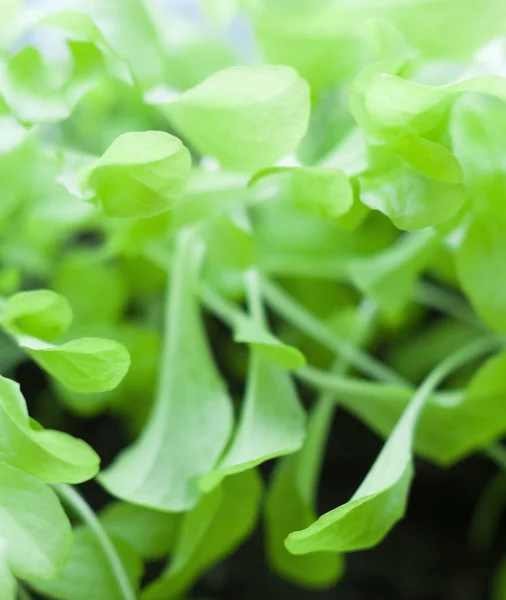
column 192, row 243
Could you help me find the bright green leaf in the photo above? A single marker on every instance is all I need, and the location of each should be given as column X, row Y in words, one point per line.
column 267, row 346
column 37, row 535
column 319, row 191
column 481, row 254
column 18, row 152
column 131, row 399
column 91, row 52
column 150, row 532
column 330, row 124
column 323, row 44
column 140, row 174
column 478, row 128
column 8, row 584
column 135, row 32
column 272, row 421
column 85, row 365
column 398, row 105
column 42, row 314
column 27, row 85
column 246, row 117
column 295, row 5
column 40, row 89
column 479, row 21
column 213, row 529
column 380, row 501
column 130, row 237
column 163, row 467
column 87, row 575
column 10, row 280
column 415, row 182
column 52, row 456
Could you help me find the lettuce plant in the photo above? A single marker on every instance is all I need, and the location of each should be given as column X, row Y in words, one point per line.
column 219, row 249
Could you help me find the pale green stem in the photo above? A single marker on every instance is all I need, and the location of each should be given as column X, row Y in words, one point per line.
column 304, row 320
column 220, row 307
column 76, row 503
column 446, row 302
column 349, row 386
column 254, row 295
column 458, row 359
column 310, row 457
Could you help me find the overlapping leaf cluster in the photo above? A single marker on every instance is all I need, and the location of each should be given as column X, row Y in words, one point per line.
column 350, row 176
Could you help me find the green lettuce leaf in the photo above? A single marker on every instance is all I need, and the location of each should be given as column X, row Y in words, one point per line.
column 134, row 31
column 415, row 182
column 163, row 467
column 140, row 174
column 419, row 19
column 38, row 88
column 8, row 584
column 324, row 45
column 151, row 533
column 52, row 456
column 272, row 421
column 27, row 87
column 213, row 529
column 380, row 501
column 37, row 536
column 246, row 117
column 319, row 191
column 481, row 254
column 266, row 345
column 85, row 365
column 478, row 127
column 86, row 575
column 393, row 106
column 41, row 313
